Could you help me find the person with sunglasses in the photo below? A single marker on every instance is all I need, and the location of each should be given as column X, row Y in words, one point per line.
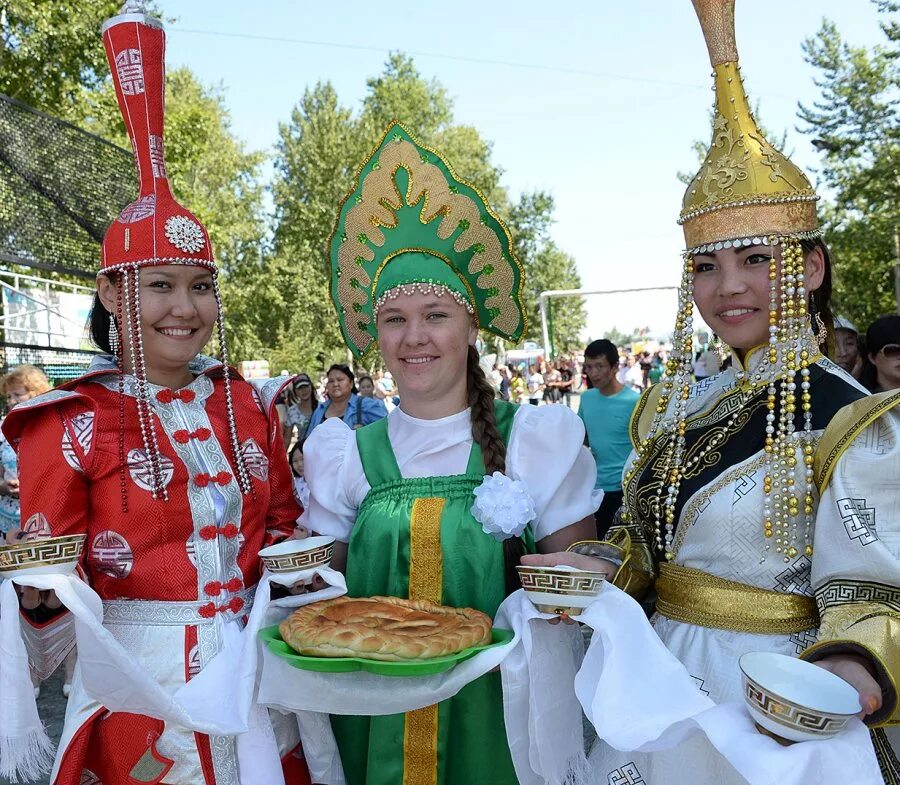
column 882, row 371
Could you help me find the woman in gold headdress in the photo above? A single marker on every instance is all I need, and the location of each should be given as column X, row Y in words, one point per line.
column 757, row 502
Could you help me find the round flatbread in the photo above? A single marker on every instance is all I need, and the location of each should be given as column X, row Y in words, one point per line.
column 384, row 628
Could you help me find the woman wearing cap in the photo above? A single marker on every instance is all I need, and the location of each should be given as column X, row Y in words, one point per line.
column 344, row 403
column 168, row 461
column 420, row 263
column 301, row 403
column 882, row 370
column 754, row 501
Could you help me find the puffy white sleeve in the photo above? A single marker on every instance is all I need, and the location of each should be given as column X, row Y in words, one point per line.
column 334, row 474
column 546, row 452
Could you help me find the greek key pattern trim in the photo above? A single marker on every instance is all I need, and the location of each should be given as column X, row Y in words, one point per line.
column 42, row 553
column 587, row 585
column 300, row 561
column 842, row 592
column 790, row 715
column 629, row 774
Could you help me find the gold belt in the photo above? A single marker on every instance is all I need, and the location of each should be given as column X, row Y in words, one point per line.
column 696, row 597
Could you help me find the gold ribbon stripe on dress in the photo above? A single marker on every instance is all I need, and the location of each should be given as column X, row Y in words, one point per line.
column 420, row 733
column 696, row 597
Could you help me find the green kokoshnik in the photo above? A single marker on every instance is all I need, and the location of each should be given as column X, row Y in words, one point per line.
column 410, row 222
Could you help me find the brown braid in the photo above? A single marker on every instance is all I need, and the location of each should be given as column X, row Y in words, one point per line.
column 493, row 448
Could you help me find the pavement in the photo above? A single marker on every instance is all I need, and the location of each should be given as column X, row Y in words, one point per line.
column 52, row 709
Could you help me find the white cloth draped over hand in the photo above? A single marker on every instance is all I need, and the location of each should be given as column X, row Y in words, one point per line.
column 640, row 698
column 220, row 700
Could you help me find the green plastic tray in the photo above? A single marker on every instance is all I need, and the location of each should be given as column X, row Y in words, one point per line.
column 272, row 638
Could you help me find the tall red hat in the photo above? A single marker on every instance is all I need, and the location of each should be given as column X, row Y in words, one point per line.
column 154, row 229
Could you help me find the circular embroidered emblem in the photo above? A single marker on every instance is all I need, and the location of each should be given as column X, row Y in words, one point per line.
column 193, row 662
column 139, row 210
column 83, row 427
column 141, row 469
column 255, row 459
column 111, row 554
column 185, row 234
column 88, row 778
column 37, row 526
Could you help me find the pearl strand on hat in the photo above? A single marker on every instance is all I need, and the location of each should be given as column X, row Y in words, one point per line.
column 145, row 409
column 238, row 456
column 422, row 287
column 787, row 354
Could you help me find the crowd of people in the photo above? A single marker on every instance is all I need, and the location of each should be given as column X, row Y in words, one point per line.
column 744, row 487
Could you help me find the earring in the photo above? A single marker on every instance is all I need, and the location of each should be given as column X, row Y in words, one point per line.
column 719, row 347
column 821, row 331
column 815, row 317
column 113, row 336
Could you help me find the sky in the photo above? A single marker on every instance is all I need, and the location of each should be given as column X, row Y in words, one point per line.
column 597, row 102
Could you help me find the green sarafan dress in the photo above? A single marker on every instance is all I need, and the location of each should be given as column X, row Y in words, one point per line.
column 417, row 538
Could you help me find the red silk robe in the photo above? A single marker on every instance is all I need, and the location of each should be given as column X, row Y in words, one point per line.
column 164, row 569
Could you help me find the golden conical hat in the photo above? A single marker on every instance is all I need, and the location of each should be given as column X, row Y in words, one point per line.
column 746, row 188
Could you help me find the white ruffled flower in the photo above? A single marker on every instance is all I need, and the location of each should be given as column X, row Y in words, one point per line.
column 503, row 506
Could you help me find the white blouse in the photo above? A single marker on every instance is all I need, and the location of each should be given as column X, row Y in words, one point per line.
column 546, row 451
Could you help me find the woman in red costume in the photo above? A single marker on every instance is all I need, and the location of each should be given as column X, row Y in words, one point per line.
column 173, row 467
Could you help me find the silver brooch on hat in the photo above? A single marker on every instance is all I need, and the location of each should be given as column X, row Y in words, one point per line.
column 185, row 234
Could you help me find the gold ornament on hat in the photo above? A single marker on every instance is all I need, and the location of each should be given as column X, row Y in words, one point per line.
column 746, row 188
column 746, row 193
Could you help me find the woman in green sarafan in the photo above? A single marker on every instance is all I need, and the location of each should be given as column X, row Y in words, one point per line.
column 421, row 263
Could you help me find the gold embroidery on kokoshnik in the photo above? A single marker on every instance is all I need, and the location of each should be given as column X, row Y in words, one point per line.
column 380, row 200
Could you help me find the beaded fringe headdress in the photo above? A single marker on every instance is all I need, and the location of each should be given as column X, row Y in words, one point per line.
column 154, row 229
column 747, row 193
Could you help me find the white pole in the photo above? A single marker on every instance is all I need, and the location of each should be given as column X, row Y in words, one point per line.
column 542, row 302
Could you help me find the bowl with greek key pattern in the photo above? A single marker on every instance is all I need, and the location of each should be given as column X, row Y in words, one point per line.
column 292, row 555
column 794, row 699
column 562, row 590
column 45, row 556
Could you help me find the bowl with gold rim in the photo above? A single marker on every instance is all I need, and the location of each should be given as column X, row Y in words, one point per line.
column 794, row 699
column 292, row 555
column 45, row 556
column 562, row 590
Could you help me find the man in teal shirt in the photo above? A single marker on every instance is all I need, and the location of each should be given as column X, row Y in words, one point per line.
column 606, row 411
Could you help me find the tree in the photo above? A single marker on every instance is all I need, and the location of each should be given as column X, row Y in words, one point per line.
column 51, row 51
column 546, row 267
column 856, row 124
column 316, row 154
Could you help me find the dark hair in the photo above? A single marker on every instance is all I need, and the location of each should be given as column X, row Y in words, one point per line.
column 99, row 321
column 597, row 349
column 344, row 369
column 820, row 301
column 290, row 392
column 297, row 446
column 880, row 333
column 493, row 449
column 362, row 378
column 603, row 348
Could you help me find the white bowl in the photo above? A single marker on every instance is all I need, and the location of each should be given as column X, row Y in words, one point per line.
column 794, row 699
column 45, row 556
column 293, row 555
column 561, row 590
